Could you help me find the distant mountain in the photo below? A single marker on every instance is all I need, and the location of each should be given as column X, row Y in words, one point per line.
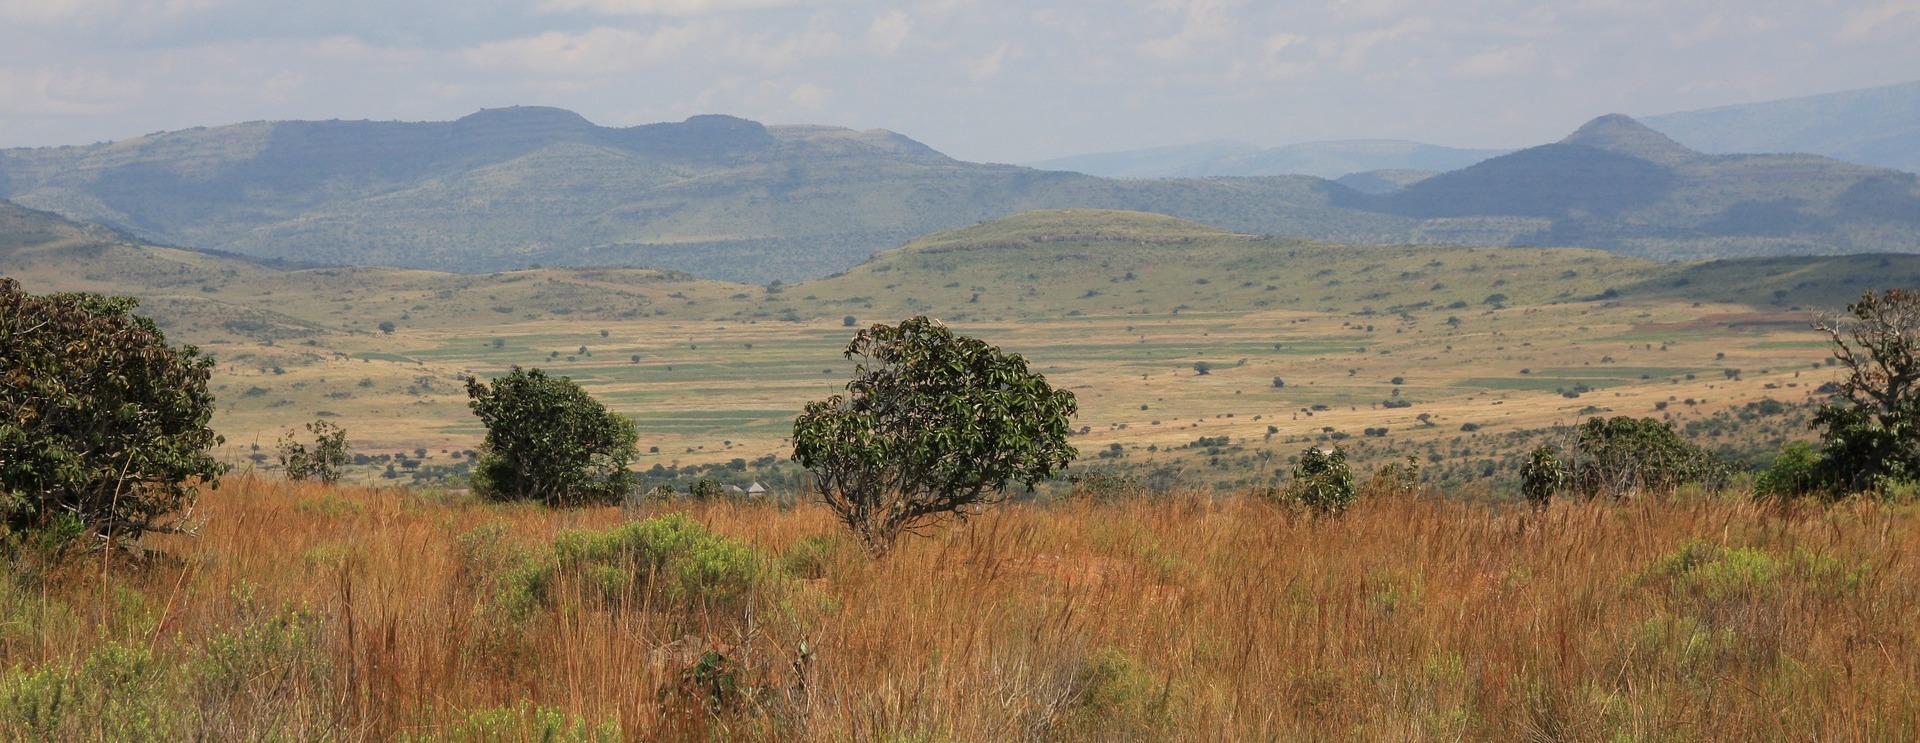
column 1152, row 162
column 1873, row 126
column 723, row 197
column 1318, row 159
column 504, row 188
column 1619, row 185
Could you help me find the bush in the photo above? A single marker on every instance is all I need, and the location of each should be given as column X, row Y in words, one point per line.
column 932, row 424
column 1623, row 455
column 1543, row 474
column 671, row 557
column 1322, row 482
column 547, row 440
column 1795, row 472
column 323, row 462
column 101, row 421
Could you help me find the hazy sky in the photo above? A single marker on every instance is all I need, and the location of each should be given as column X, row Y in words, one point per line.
column 999, row 80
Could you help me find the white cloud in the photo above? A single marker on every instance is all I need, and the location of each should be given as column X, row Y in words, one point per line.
column 1866, row 23
column 666, row 7
column 808, row 97
column 77, row 91
column 888, row 32
column 1203, row 22
column 986, row 67
column 600, row 51
column 1498, row 62
column 777, row 52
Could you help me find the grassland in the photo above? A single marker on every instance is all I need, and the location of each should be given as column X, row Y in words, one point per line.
column 1118, row 307
column 356, row 613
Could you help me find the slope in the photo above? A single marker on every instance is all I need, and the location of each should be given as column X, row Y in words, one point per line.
column 1872, row 126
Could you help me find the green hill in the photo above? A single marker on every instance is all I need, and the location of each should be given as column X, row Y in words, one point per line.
column 727, row 198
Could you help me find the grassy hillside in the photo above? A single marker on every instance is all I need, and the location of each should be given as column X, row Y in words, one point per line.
column 728, row 198
column 1460, row 356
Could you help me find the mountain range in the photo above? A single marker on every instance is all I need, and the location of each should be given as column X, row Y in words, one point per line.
column 1321, row 159
column 1874, row 126
column 729, row 198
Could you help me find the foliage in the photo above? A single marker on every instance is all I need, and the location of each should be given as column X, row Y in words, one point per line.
column 100, row 419
column 1394, row 479
column 1322, row 481
column 672, row 556
column 1872, row 431
column 1795, row 472
column 329, row 454
column 1543, row 474
column 707, row 488
column 547, row 440
column 1623, row 455
column 932, row 424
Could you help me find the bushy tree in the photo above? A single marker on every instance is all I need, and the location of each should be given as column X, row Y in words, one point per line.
column 103, row 425
column 1872, row 429
column 323, row 462
column 1623, row 455
column 1543, row 474
column 932, row 425
column 1322, row 481
column 548, row 440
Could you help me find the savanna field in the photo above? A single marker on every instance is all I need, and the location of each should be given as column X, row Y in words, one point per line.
column 304, row 612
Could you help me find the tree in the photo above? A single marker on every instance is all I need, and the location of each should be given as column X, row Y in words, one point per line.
column 323, row 462
column 1202, row 368
column 1322, row 481
column 1872, row 428
column 1543, row 474
column 547, row 440
column 932, row 425
column 103, row 425
column 386, row 326
column 1623, row 455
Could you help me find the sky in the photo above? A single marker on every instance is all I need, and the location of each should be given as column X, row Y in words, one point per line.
column 984, row 80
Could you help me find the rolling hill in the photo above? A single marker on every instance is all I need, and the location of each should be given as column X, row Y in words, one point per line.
column 732, row 199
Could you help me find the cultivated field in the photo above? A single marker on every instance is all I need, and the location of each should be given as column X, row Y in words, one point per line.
column 306, row 613
column 1117, row 307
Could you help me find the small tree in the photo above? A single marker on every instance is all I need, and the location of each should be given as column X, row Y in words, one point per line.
column 1872, row 429
column 1202, row 368
column 547, row 440
column 1322, row 481
column 1623, row 455
column 103, row 425
column 323, row 462
column 932, row 425
column 1543, row 474
column 707, row 488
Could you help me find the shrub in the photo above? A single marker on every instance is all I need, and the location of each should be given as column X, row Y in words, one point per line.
column 1322, row 481
column 323, row 462
column 548, row 441
column 1623, row 455
column 932, row 424
column 671, row 556
column 101, row 421
column 1543, row 474
column 1795, row 472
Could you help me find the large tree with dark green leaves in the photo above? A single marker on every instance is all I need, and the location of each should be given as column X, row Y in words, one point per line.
column 933, row 425
column 103, row 425
column 549, row 441
column 1872, row 426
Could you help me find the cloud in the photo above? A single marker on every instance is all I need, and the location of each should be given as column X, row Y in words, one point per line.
column 77, row 91
column 1866, row 23
column 984, row 68
column 1203, row 22
column 1497, row 62
column 808, row 97
column 888, row 32
column 601, row 51
column 666, row 7
column 777, row 52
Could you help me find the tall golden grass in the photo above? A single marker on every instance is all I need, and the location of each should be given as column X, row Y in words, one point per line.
column 309, row 613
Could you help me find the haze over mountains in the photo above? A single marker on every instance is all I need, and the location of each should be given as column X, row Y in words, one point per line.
column 728, row 198
column 1320, row 159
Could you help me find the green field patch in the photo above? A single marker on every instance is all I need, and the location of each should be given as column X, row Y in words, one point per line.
column 1789, row 344
column 381, row 356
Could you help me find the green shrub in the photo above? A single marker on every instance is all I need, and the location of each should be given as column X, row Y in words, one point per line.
column 1794, row 473
column 1322, row 482
column 811, row 556
column 1120, row 699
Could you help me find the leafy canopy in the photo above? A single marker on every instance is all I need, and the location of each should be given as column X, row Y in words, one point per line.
column 101, row 421
column 1872, row 431
column 932, row 424
column 323, row 462
column 548, row 440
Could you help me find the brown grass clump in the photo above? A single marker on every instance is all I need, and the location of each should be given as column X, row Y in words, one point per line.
column 309, row 613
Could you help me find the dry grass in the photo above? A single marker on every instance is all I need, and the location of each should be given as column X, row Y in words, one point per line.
column 362, row 614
